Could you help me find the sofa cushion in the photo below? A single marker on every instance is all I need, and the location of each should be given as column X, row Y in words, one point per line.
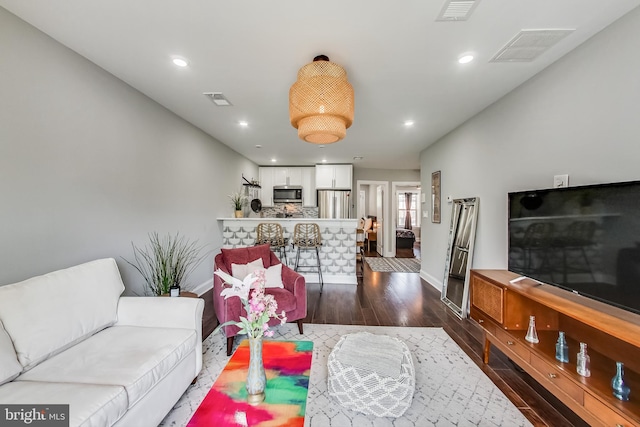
column 244, row 255
column 46, row 314
column 134, row 357
column 90, row 405
column 9, row 365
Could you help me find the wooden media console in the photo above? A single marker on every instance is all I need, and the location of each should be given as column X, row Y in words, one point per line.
column 502, row 309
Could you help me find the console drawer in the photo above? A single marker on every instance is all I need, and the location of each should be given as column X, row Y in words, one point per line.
column 513, row 344
column 604, row 413
column 557, row 377
column 483, row 320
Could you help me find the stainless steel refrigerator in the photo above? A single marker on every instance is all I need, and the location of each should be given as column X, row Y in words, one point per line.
column 334, row 204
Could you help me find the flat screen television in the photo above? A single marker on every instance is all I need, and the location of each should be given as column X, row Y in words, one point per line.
column 583, row 239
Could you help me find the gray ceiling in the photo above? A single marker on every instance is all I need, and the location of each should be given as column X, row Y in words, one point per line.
column 401, row 62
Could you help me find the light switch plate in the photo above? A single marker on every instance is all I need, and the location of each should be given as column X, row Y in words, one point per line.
column 560, row 181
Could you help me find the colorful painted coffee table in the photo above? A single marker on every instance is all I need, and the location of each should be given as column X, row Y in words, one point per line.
column 287, row 365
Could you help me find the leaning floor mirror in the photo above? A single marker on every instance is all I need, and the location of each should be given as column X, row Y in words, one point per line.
column 455, row 286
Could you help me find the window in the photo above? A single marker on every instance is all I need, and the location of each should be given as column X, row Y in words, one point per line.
column 402, row 211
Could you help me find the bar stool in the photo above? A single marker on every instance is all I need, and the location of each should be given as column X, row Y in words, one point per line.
column 307, row 236
column 271, row 233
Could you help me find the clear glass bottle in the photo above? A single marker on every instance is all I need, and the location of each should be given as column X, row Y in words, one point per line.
column 532, row 334
column 620, row 389
column 583, row 361
column 562, row 349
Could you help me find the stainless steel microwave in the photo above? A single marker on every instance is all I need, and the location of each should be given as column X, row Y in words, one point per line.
column 287, row 194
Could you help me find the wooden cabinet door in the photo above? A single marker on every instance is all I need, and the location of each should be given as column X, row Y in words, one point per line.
column 488, row 298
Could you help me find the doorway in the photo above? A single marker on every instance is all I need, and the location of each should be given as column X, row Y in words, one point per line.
column 370, row 189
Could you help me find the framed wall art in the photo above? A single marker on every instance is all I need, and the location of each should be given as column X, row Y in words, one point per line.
column 435, row 197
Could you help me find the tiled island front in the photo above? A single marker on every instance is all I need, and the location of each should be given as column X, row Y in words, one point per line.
column 337, row 254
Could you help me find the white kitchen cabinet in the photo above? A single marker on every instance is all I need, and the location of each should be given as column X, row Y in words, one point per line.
column 266, row 182
column 308, row 187
column 275, row 176
column 334, row 176
column 287, row 176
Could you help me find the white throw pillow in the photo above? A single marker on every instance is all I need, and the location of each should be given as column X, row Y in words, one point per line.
column 240, row 271
column 274, row 277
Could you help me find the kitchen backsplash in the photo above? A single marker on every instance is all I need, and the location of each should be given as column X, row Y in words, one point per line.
column 294, row 209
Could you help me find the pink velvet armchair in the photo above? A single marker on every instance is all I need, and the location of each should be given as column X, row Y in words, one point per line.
column 292, row 298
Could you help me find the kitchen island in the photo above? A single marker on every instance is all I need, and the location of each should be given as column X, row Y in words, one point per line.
column 337, row 254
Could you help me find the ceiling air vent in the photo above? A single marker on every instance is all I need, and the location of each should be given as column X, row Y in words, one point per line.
column 218, row 99
column 454, row 10
column 527, row 45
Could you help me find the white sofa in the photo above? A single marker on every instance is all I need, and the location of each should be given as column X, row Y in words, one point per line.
column 68, row 337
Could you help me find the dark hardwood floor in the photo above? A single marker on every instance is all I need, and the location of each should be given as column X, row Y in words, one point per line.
column 404, row 299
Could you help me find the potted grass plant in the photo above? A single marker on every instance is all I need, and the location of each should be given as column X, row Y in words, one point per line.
column 238, row 201
column 165, row 262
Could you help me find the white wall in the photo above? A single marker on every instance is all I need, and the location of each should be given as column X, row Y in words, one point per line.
column 88, row 164
column 580, row 116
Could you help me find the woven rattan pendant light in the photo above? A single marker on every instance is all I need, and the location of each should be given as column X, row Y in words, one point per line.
column 321, row 102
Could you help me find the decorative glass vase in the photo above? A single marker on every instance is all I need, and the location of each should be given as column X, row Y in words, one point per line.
column 532, row 335
column 583, row 361
column 562, row 349
column 256, row 378
column 620, row 389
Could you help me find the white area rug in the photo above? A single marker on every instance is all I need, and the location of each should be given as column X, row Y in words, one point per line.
column 399, row 265
column 450, row 389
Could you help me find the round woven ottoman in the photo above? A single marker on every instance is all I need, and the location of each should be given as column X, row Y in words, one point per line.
column 372, row 374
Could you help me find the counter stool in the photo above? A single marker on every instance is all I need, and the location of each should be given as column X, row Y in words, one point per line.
column 271, row 233
column 307, row 236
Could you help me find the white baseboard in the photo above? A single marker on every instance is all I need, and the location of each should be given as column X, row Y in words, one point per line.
column 343, row 279
column 203, row 287
column 308, row 277
column 437, row 284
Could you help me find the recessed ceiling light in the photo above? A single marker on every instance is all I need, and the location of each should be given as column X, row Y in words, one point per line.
column 258, row 146
column 465, row 59
column 273, row 160
column 358, row 158
column 409, row 123
column 320, row 146
column 180, row 62
column 324, row 160
column 243, row 123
